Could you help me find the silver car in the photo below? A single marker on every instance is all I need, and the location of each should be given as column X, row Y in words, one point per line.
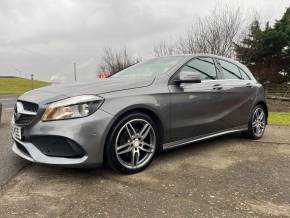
column 125, row 120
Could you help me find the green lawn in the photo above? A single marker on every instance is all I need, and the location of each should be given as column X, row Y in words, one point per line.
column 19, row 85
column 279, row 118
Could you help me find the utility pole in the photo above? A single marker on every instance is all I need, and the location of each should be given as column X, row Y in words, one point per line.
column 32, row 80
column 75, row 71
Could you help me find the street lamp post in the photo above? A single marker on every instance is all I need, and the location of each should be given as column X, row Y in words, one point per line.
column 32, row 75
column 75, row 71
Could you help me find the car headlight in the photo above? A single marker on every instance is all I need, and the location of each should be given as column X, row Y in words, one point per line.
column 74, row 107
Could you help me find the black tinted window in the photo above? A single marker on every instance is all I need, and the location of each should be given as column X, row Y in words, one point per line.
column 230, row 70
column 243, row 74
column 204, row 66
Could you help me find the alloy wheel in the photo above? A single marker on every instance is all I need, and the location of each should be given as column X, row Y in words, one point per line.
column 258, row 122
column 135, row 143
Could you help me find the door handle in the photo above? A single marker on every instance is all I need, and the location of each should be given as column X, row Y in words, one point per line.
column 250, row 85
column 217, row 87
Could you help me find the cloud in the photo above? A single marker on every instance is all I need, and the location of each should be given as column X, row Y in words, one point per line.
column 46, row 37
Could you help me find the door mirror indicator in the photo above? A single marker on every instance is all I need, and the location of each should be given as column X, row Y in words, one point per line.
column 188, row 77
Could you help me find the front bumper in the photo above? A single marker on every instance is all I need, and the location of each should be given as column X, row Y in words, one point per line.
column 35, row 155
column 88, row 132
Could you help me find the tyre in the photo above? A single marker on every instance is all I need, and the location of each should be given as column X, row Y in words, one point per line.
column 132, row 143
column 257, row 123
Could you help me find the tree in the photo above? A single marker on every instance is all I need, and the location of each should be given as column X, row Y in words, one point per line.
column 246, row 50
column 283, row 26
column 115, row 61
column 215, row 34
column 163, row 49
column 267, row 51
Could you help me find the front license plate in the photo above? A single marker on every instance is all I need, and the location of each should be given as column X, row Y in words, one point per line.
column 17, row 132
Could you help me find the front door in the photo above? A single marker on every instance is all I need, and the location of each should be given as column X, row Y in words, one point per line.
column 197, row 108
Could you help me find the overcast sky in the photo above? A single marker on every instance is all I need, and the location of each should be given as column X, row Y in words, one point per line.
column 45, row 37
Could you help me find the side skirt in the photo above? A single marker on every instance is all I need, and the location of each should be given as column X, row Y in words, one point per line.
column 184, row 142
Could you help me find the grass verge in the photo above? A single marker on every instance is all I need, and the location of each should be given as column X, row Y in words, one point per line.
column 279, row 118
column 19, row 85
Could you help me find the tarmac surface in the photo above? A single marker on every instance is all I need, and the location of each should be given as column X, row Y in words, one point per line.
column 8, row 101
column 225, row 177
column 10, row 164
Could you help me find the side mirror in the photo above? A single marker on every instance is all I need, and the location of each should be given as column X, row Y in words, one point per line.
column 188, row 77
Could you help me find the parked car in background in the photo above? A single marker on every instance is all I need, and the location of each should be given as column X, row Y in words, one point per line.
column 126, row 119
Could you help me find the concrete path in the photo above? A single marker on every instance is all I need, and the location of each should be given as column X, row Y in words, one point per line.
column 225, row 177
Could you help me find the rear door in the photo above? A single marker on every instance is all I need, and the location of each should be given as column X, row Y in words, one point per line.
column 238, row 94
column 196, row 108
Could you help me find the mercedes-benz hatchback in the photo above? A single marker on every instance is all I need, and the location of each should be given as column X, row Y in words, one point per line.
column 125, row 120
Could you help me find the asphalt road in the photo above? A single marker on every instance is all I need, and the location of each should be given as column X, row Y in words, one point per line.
column 8, row 101
column 10, row 164
column 225, row 177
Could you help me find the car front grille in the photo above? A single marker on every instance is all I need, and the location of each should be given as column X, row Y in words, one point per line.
column 24, row 119
column 24, row 113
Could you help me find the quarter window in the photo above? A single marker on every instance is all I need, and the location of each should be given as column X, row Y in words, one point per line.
column 244, row 75
column 202, row 65
column 230, row 70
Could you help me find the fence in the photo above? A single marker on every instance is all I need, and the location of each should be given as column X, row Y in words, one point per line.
column 0, row 112
column 279, row 90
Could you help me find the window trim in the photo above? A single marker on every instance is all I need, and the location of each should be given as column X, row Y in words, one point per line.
column 218, row 73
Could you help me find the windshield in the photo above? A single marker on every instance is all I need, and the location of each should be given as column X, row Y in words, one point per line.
column 148, row 68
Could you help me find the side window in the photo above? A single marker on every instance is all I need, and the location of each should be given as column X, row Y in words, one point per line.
column 230, row 70
column 204, row 66
column 244, row 75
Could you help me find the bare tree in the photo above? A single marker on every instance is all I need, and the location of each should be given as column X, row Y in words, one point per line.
column 115, row 61
column 215, row 34
column 163, row 49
